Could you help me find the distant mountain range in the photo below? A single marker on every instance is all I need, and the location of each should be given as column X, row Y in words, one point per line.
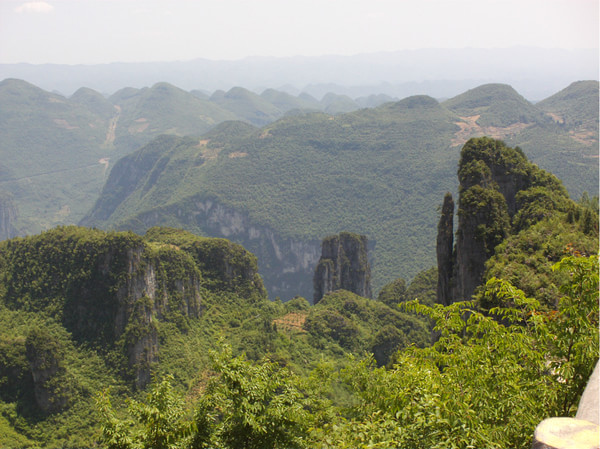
column 380, row 171
column 441, row 73
column 64, row 147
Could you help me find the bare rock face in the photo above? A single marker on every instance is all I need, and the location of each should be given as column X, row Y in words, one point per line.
column 445, row 257
column 343, row 265
column 126, row 290
column 483, row 223
column 148, row 293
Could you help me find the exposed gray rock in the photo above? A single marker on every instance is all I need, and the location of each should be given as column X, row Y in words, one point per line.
column 343, row 265
column 491, row 176
column 143, row 298
column 287, row 264
column 482, row 224
column 445, row 256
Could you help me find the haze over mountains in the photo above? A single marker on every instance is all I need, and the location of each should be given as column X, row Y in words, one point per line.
column 273, row 171
column 279, row 251
column 380, row 171
column 441, row 73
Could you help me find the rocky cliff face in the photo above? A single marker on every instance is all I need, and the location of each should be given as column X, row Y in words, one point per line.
column 50, row 386
column 497, row 186
column 286, row 264
column 128, row 290
column 343, row 265
column 445, row 256
column 109, row 290
column 151, row 290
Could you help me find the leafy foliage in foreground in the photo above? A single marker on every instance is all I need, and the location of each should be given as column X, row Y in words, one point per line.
column 487, row 381
column 245, row 405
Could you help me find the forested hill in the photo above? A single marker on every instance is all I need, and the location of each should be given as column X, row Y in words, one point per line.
column 83, row 310
column 508, row 207
column 65, row 147
column 381, row 172
column 117, row 340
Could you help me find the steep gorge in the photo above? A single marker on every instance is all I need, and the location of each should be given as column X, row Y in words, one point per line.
column 286, row 264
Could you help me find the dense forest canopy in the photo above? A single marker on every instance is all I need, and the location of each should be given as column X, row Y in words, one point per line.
column 168, row 339
column 292, row 167
column 280, row 189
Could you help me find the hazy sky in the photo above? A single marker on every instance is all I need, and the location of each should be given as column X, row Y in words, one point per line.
column 100, row 31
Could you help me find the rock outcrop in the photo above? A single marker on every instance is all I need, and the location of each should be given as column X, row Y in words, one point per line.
column 111, row 289
column 343, row 265
column 445, row 257
column 50, row 389
column 286, row 263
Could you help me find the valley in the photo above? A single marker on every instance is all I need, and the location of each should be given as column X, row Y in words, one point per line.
column 299, row 224
column 286, row 184
column 104, row 330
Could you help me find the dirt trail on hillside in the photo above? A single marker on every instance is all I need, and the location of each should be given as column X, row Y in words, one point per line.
column 112, row 127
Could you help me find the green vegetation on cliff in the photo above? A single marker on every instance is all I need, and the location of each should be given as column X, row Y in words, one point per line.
column 84, row 310
column 169, row 340
column 375, row 171
column 56, row 151
column 379, row 172
column 486, row 382
column 514, row 221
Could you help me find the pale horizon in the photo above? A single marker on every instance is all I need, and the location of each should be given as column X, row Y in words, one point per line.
column 90, row 32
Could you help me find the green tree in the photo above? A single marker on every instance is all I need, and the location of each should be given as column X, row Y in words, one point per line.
column 574, row 328
column 393, row 293
column 258, row 405
column 488, row 380
column 161, row 421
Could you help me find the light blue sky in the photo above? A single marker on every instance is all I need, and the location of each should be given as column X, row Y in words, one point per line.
column 101, row 31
